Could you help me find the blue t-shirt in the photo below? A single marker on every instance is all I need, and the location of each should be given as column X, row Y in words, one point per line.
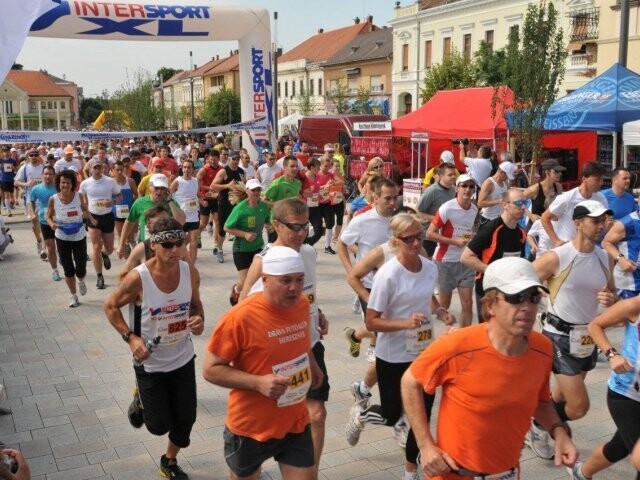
column 8, row 170
column 621, row 205
column 628, row 384
column 41, row 194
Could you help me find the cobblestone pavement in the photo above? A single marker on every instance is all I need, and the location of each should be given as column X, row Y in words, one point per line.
column 68, row 377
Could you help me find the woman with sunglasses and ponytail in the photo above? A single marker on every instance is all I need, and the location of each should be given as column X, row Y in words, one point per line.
column 400, row 306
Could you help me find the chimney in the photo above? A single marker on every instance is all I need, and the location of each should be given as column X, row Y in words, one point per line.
column 354, row 49
column 370, row 18
column 356, row 20
column 217, row 57
column 230, row 52
column 236, row 52
column 397, row 5
column 379, row 43
column 321, row 30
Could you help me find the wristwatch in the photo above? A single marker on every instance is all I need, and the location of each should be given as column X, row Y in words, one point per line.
column 125, row 336
column 620, row 255
column 562, row 425
column 612, row 352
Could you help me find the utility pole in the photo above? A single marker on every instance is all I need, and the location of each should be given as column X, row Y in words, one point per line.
column 624, row 32
column 193, row 111
column 276, row 53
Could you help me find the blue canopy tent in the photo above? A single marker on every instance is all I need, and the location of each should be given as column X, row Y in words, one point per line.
column 605, row 103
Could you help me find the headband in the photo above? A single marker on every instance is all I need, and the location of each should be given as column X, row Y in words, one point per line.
column 166, row 236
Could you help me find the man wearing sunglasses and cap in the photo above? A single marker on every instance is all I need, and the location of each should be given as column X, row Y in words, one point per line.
column 486, row 365
column 498, row 238
column 261, row 350
column 161, row 342
column 579, row 276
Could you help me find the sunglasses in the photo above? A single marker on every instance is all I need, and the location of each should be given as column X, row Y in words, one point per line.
column 519, row 203
column 377, row 167
column 296, row 227
column 33, row 154
column 467, row 185
column 170, row 245
column 533, row 296
column 411, row 238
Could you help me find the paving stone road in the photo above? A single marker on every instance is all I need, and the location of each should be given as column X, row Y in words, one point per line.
column 68, row 377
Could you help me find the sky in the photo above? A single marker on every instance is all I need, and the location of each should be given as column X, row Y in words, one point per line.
column 98, row 65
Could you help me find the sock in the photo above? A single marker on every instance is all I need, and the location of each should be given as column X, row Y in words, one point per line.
column 560, row 408
column 99, row 275
column 364, row 389
column 328, row 237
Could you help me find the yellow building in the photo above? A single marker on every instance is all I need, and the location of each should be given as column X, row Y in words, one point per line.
column 609, row 35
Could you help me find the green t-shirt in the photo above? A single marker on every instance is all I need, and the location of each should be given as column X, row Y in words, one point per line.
column 136, row 214
column 280, row 189
column 248, row 219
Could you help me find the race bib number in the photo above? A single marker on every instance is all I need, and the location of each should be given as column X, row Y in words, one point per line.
column 324, row 195
column 417, row 339
column 581, row 344
column 313, row 200
column 72, row 214
column 190, row 206
column 99, row 206
column 299, row 372
column 508, row 475
column 7, row 167
column 311, row 297
column 336, row 194
column 462, row 233
column 122, row 211
column 172, row 326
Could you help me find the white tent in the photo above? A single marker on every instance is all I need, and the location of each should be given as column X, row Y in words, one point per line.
column 631, row 133
column 289, row 121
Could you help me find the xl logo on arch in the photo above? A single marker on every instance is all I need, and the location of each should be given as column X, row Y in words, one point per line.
column 126, row 18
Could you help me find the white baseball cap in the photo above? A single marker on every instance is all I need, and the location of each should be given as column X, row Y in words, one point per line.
column 508, row 168
column 590, row 208
column 253, row 183
column 511, row 275
column 447, row 157
column 159, row 180
column 465, row 177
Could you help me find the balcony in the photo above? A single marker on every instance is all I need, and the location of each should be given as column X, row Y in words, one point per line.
column 581, row 64
column 377, row 88
column 583, row 25
column 412, row 9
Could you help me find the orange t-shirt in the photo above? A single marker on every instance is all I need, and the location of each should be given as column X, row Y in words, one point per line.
column 488, row 398
column 259, row 338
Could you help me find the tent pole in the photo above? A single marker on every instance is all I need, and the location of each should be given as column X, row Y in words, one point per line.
column 614, row 163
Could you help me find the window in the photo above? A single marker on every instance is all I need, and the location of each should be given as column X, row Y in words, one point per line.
column 43, row 105
column 50, row 105
column 63, row 105
column 293, row 88
column 311, row 86
column 333, row 86
column 376, row 83
column 279, row 93
column 286, row 89
column 405, row 57
column 446, row 46
column 32, row 106
column 301, row 87
column 427, row 54
column 319, row 86
column 352, row 85
column 8, row 107
column 466, row 46
column 583, row 24
column 488, row 37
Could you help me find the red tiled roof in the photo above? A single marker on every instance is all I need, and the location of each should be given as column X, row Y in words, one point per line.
column 225, row 65
column 323, row 46
column 36, row 84
column 207, row 66
column 176, row 78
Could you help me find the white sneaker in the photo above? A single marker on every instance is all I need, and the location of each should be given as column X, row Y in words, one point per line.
column 411, row 475
column 539, row 440
column 371, row 354
column 362, row 400
column 575, row 472
column 401, row 431
column 74, row 301
column 354, row 426
column 82, row 286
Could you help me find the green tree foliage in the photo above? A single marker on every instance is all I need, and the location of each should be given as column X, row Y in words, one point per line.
column 454, row 72
column 534, row 68
column 131, row 106
column 362, row 103
column 222, row 107
column 490, row 65
column 339, row 97
column 165, row 73
column 305, row 103
column 90, row 108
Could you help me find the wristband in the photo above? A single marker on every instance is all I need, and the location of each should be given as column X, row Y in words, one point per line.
column 562, row 425
column 612, row 352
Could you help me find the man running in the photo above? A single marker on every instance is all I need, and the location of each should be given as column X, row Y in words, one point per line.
column 40, row 195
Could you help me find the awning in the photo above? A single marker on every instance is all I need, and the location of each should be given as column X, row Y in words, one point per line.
column 575, row 46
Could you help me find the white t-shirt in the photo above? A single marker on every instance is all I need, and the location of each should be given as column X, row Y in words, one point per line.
column 399, row 293
column 62, row 165
column 267, row 173
column 453, row 221
column 478, row 168
column 563, row 206
column 544, row 242
column 249, row 171
column 368, row 230
column 301, row 166
column 187, row 197
column 28, row 172
column 99, row 193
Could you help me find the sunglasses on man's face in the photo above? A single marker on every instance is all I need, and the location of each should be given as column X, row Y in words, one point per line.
column 519, row 203
column 296, row 227
column 533, row 296
column 170, row 245
column 467, row 185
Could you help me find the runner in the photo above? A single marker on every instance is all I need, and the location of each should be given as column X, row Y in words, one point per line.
column 99, row 191
column 579, row 277
column 261, row 350
column 65, row 214
column 185, row 190
column 40, row 195
column 473, row 365
column 209, row 198
column 8, row 166
column 129, row 193
column 28, row 176
column 165, row 376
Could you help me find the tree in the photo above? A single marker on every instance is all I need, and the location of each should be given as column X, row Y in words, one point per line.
column 454, row 72
column 490, row 65
column 165, row 73
column 131, row 106
column 222, row 107
column 90, row 108
column 362, row 103
column 305, row 103
column 339, row 97
column 534, row 68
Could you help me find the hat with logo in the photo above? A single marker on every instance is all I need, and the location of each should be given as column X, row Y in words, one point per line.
column 253, row 183
column 590, row 208
column 511, row 275
column 159, row 180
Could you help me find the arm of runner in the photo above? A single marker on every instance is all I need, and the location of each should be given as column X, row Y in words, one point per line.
column 433, row 234
column 177, row 213
column 483, row 196
column 613, row 317
column 136, row 257
column 216, row 185
column 610, row 241
column 371, row 261
column 127, row 227
column 344, row 255
column 547, row 265
column 546, row 219
column 566, row 452
column 133, row 187
column 471, row 260
column 50, row 214
column 375, row 323
column 248, row 236
column 195, row 323
column 219, row 372
column 433, row 459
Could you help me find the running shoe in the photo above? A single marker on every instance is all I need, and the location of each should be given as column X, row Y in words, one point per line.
column 362, row 400
column 127, row 250
column 329, row 250
column 135, row 410
column 575, row 472
column 401, row 431
column 82, row 287
column 215, row 251
column 74, row 301
column 43, row 254
column 356, row 307
column 9, row 237
column 233, row 298
column 354, row 426
column 100, row 283
column 169, row 469
column 106, row 261
column 55, row 276
column 220, row 256
column 9, row 214
column 354, row 345
column 199, row 242
column 539, row 440
column 411, row 475
column 371, row 354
